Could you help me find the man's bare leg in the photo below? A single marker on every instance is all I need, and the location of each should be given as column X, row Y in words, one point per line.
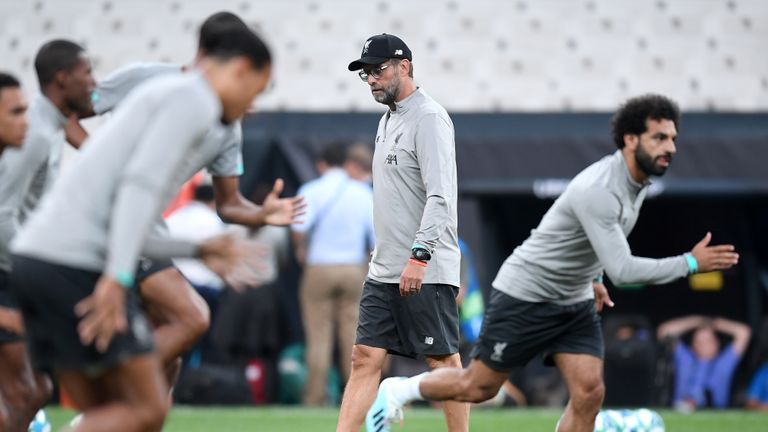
column 128, row 398
column 180, row 316
column 456, row 413
column 584, row 376
column 361, row 387
column 476, row 383
column 24, row 391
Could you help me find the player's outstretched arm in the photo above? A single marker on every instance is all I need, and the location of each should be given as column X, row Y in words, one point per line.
column 235, row 208
column 598, row 212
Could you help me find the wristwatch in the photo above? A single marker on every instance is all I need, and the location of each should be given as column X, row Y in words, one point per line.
column 420, row 254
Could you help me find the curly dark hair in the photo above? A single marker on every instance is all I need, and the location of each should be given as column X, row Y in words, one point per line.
column 630, row 118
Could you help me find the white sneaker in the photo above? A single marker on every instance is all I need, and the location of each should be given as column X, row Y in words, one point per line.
column 40, row 423
column 385, row 409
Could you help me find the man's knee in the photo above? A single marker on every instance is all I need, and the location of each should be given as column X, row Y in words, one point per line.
column 198, row 320
column 367, row 359
column 589, row 394
column 473, row 390
column 172, row 301
column 451, row 360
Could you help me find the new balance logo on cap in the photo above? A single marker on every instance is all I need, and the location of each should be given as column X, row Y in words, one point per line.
column 380, row 48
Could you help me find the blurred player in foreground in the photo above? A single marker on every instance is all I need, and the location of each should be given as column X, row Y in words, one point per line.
column 178, row 314
column 75, row 260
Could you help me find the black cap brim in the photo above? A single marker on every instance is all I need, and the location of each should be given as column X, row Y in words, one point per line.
column 358, row 64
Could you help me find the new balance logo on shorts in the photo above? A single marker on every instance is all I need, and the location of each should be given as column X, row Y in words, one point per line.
column 145, row 263
column 498, row 351
column 429, row 340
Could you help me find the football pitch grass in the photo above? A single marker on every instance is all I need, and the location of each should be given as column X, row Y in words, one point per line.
column 194, row 419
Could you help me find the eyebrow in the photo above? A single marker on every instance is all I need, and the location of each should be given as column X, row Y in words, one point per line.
column 663, row 135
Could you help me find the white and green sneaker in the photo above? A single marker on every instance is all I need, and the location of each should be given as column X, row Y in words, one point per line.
column 385, row 409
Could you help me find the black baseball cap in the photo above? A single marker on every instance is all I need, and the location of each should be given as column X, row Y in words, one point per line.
column 380, row 48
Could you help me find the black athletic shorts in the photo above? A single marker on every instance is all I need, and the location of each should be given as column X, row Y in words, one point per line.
column 515, row 331
column 47, row 294
column 148, row 267
column 424, row 324
column 7, row 300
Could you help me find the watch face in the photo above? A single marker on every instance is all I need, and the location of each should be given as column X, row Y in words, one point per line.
column 421, row 254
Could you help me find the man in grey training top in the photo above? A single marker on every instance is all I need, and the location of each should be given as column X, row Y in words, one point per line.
column 543, row 300
column 408, row 306
column 13, row 129
column 76, row 257
column 64, row 73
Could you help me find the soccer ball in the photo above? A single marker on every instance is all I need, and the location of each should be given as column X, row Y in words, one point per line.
column 641, row 420
column 40, row 423
column 609, row 421
column 649, row 421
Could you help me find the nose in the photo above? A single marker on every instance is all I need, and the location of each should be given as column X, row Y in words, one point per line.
column 371, row 79
column 671, row 147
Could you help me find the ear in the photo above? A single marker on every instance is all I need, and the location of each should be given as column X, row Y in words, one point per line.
column 241, row 65
column 61, row 78
column 404, row 66
column 631, row 141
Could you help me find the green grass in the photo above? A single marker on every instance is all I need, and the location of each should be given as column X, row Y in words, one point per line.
column 188, row 419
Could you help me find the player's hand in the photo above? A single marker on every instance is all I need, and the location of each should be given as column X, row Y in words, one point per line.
column 411, row 278
column 601, row 296
column 711, row 258
column 222, row 253
column 102, row 314
column 10, row 320
column 282, row 211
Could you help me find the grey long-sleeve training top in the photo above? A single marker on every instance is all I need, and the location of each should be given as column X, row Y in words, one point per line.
column 24, row 172
column 98, row 215
column 414, row 191
column 583, row 234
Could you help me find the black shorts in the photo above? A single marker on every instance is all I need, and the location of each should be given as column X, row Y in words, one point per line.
column 7, row 301
column 515, row 331
column 425, row 324
column 147, row 267
column 47, row 294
